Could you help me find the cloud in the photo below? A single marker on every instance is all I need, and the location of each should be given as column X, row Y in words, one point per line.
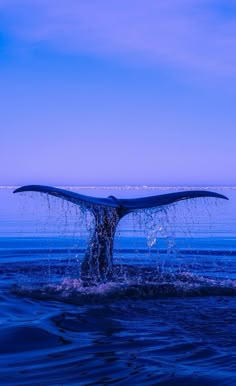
column 193, row 34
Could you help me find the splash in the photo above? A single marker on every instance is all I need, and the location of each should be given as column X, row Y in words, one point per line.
column 107, row 212
column 145, row 284
column 156, row 271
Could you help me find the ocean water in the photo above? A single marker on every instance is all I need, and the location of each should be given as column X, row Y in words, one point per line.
column 167, row 318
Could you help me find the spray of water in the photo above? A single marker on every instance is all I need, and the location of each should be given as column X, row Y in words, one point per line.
column 152, row 268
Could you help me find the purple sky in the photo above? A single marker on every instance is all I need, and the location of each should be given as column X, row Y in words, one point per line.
column 118, row 92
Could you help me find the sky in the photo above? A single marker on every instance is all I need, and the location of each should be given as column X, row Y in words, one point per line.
column 118, row 92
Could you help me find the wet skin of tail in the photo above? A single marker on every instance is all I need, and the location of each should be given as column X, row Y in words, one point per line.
column 98, row 260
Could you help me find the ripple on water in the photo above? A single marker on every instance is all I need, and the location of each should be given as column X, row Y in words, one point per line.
column 160, row 341
column 26, row 338
column 142, row 328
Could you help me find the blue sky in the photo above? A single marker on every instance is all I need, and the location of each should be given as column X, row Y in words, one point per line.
column 119, row 92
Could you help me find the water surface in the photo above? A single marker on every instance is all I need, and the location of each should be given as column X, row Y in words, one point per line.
column 168, row 318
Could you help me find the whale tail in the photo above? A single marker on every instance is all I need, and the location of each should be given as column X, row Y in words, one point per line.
column 97, row 262
column 125, row 206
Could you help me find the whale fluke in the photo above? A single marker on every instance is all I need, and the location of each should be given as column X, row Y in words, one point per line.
column 128, row 205
column 97, row 262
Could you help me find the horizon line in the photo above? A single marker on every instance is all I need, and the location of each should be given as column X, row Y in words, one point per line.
column 125, row 186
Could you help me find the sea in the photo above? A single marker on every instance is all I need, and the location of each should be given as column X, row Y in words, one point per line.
column 168, row 317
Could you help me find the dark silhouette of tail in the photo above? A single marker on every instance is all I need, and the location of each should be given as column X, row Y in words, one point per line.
column 97, row 262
